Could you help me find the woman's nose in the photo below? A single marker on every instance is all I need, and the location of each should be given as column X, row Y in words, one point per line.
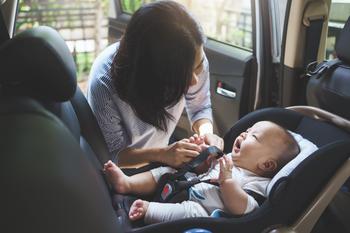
column 194, row 80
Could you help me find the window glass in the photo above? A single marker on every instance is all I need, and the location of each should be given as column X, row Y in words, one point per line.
column 81, row 23
column 228, row 21
column 339, row 13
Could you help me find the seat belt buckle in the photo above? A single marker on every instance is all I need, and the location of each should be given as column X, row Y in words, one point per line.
column 316, row 69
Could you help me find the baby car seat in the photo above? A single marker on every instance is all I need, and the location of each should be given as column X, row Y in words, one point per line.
column 290, row 195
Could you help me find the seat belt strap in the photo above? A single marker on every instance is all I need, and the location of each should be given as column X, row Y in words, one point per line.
column 4, row 35
column 313, row 37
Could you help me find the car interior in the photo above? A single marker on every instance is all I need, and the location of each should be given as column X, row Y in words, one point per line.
column 53, row 149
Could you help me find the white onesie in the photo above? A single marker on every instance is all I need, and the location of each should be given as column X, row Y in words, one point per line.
column 204, row 198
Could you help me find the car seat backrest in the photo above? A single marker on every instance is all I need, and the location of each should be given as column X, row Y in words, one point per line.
column 329, row 84
column 47, row 183
column 37, row 63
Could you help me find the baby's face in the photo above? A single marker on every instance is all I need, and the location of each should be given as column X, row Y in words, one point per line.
column 259, row 141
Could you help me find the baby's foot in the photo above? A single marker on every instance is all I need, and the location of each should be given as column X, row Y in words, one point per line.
column 138, row 209
column 116, row 177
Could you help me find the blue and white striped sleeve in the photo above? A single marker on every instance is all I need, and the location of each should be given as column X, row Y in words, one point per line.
column 107, row 115
column 198, row 103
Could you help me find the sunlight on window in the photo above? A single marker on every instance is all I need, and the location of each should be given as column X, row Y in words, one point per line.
column 81, row 23
column 228, row 21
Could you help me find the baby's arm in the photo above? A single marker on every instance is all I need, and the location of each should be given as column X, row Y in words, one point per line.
column 234, row 197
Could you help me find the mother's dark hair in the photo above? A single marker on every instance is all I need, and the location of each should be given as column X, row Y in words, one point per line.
column 153, row 67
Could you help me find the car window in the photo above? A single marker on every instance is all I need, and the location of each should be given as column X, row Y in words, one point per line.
column 227, row 21
column 81, row 23
column 339, row 13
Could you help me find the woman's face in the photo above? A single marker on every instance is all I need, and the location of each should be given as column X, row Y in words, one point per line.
column 198, row 64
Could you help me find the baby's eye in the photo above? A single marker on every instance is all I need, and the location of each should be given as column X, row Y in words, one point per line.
column 254, row 136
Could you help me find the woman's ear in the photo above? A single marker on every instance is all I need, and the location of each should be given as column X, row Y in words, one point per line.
column 268, row 165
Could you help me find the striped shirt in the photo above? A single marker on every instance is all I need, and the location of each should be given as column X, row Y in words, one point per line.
column 120, row 125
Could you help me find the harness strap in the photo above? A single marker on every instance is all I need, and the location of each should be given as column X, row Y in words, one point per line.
column 258, row 198
column 187, row 184
column 171, row 184
column 212, row 150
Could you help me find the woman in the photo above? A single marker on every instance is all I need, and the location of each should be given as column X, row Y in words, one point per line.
column 140, row 85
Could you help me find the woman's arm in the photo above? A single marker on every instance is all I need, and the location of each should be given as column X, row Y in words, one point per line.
column 173, row 155
column 198, row 107
column 198, row 103
column 204, row 127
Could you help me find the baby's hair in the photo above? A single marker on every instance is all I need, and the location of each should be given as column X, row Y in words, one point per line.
column 290, row 151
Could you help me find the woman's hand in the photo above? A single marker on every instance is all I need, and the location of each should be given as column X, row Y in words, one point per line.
column 180, row 152
column 214, row 140
column 226, row 165
column 198, row 140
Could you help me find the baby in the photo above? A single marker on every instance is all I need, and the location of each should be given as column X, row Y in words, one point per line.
column 257, row 155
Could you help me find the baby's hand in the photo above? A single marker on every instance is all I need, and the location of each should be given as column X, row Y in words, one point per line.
column 226, row 165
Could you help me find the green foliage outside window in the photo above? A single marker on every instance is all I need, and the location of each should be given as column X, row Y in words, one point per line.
column 130, row 6
column 73, row 19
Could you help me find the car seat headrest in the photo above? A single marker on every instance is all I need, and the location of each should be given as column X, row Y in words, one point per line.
column 342, row 47
column 38, row 63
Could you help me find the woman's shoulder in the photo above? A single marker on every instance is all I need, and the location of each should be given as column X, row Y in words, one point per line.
column 108, row 53
column 100, row 70
column 102, row 64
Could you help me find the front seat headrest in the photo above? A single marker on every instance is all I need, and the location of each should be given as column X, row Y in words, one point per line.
column 342, row 47
column 38, row 63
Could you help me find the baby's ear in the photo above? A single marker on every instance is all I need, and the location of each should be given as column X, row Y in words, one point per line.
column 268, row 165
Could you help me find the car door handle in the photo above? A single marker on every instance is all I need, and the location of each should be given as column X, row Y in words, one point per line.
column 225, row 92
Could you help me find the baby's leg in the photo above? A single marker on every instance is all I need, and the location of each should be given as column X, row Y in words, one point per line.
column 154, row 212
column 142, row 183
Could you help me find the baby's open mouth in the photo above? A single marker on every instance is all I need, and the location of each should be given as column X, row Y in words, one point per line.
column 237, row 146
